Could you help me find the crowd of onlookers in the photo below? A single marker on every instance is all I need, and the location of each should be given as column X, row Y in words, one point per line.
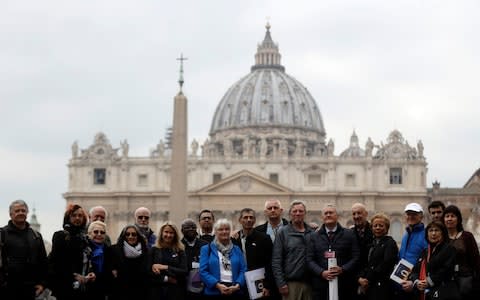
column 297, row 260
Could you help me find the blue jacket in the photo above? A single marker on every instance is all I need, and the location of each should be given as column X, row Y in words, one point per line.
column 210, row 268
column 413, row 243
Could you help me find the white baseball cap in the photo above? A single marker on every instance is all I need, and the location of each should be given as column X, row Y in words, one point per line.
column 414, row 207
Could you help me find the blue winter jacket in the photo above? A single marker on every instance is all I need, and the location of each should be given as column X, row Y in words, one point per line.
column 210, row 268
column 413, row 243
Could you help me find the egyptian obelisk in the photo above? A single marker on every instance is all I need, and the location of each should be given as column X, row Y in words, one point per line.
column 178, row 170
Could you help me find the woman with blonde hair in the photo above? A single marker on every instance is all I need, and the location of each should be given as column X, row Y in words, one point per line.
column 167, row 265
column 374, row 279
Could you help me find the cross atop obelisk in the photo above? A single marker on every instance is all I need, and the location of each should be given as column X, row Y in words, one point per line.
column 180, row 80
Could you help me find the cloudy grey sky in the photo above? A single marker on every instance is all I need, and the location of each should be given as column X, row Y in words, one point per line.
column 69, row 69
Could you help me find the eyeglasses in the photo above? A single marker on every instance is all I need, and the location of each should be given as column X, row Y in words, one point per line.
column 206, row 218
column 143, row 217
column 99, row 232
column 134, row 234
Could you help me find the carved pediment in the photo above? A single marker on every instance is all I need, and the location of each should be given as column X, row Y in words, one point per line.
column 396, row 147
column 101, row 151
column 244, row 182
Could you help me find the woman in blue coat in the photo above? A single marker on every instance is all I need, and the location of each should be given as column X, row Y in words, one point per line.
column 222, row 266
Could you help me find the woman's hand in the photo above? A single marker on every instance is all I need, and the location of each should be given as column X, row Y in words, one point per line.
column 90, row 277
column 422, row 285
column 224, row 290
column 157, row 268
column 407, row 285
column 234, row 288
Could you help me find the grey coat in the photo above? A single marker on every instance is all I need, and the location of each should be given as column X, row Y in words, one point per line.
column 288, row 257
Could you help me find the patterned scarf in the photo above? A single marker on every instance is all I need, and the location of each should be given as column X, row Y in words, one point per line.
column 132, row 251
column 224, row 249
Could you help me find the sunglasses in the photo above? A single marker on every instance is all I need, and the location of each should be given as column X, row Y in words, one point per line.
column 143, row 217
column 134, row 234
column 99, row 232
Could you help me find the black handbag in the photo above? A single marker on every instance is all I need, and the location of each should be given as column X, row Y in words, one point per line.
column 445, row 291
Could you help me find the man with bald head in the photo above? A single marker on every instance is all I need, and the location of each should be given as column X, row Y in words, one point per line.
column 333, row 241
column 362, row 229
column 99, row 213
column 142, row 219
column 273, row 213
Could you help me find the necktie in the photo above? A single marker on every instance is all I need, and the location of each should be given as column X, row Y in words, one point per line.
column 274, row 230
column 331, row 234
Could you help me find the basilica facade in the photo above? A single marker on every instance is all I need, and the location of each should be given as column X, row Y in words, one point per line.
column 267, row 140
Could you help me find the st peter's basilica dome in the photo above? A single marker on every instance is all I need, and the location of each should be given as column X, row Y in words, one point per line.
column 268, row 104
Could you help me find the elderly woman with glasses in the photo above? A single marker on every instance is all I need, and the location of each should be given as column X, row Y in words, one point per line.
column 222, row 265
column 128, row 265
column 432, row 275
column 97, row 288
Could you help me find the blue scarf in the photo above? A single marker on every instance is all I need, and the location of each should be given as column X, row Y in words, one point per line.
column 97, row 257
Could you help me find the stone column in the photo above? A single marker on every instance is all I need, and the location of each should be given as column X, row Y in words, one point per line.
column 178, row 170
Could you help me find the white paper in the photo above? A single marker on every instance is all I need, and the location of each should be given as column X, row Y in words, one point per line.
column 255, row 279
column 401, row 271
column 332, row 284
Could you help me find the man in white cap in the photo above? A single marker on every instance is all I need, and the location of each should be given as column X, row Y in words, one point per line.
column 413, row 241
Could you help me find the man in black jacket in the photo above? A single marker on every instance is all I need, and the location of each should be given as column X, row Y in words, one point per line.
column 192, row 250
column 24, row 260
column 273, row 213
column 333, row 240
column 364, row 234
column 256, row 247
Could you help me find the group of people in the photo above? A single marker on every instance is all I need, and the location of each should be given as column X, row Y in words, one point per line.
column 299, row 260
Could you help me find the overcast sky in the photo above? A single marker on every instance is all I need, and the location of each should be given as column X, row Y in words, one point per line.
column 69, row 69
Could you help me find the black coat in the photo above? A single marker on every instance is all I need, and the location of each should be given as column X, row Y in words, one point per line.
column 347, row 252
column 382, row 259
column 131, row 279
column 440, row 267
column 25, row 260
column 258, row 247
column 364, row 242
column 193, row 252
column 66, row 258
column 177, row 268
